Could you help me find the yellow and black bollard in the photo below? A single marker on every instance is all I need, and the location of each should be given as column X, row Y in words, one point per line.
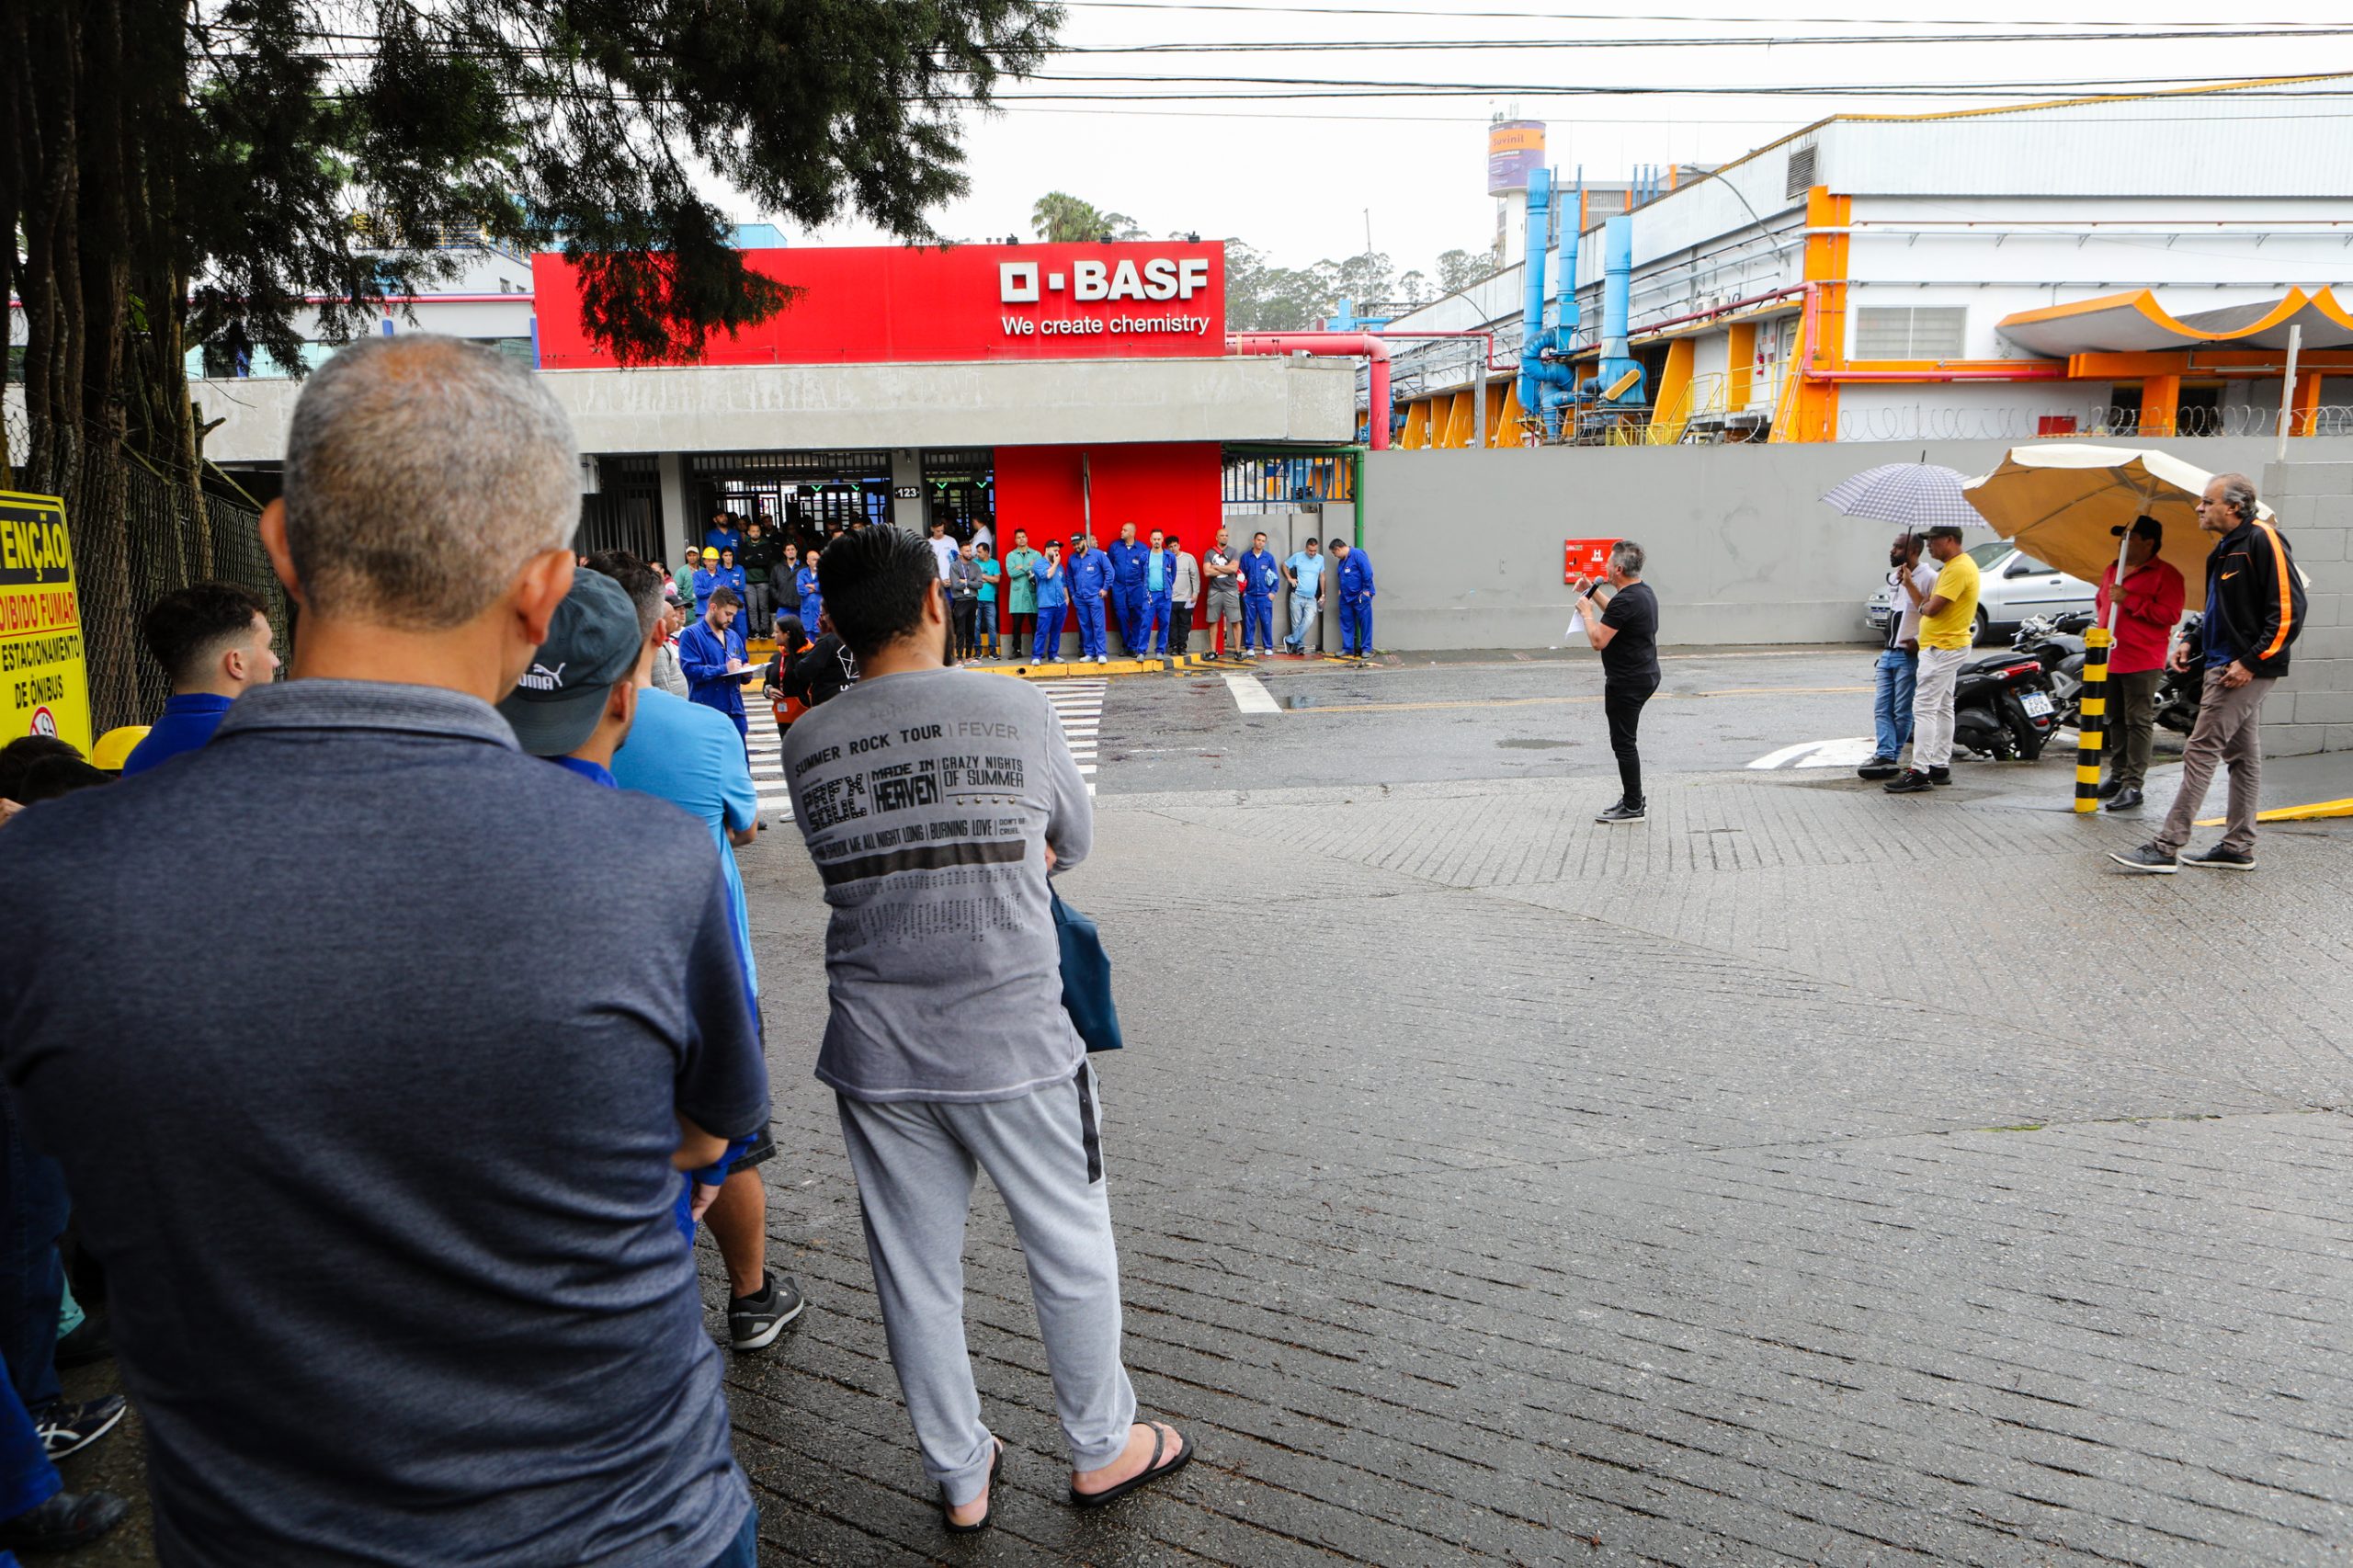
column 2091, row 718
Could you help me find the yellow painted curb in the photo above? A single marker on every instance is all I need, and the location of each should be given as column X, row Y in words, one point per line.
column 2318, row 811
column 1074, row 670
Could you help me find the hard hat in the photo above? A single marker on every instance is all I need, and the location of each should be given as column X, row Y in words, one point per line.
column 114, row 745
column 709, row 554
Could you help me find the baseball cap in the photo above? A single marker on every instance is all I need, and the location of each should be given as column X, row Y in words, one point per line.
column 592, row 644
column 2144, row 526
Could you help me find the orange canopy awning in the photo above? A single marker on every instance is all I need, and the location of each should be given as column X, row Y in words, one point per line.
column 2135, row 322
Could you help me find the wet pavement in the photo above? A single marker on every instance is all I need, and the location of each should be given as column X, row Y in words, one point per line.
column 1803, row 1174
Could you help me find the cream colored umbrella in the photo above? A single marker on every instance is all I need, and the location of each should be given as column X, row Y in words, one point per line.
column 2068, row 502
column 2061, row 502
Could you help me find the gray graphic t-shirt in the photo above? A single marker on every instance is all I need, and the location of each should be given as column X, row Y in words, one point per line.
column 926, row 800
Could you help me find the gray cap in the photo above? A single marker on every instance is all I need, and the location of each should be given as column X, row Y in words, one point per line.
column 592, row 646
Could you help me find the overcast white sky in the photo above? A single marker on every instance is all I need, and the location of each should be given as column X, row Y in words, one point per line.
column 1297, row 179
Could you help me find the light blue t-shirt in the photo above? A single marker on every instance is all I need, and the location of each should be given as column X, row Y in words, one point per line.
column 1309, row 570
column 1155, row 579
column 691, row 756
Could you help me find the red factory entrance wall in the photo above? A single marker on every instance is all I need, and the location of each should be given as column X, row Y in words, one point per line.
column 1170, row 485
column 899, row 304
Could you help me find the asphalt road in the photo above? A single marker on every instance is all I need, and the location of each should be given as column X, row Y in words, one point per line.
column 1475, row 717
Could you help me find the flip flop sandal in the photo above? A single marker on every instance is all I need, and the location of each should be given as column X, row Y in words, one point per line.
column 1153, row 1471
column 997, row 1468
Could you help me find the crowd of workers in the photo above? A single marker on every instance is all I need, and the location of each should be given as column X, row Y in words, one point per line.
column 1019, row 606
column 390, row 1176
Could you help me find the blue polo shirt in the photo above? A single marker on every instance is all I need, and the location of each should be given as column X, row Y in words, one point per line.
column 403, row 1173
column 1307, row 571
column 595, row 772
column 682, row 1210
column 691, row 756
column 187, row 724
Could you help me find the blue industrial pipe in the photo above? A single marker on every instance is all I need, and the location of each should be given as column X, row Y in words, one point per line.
column 1617, row 291
column 1547, row 385
column 1531, row 319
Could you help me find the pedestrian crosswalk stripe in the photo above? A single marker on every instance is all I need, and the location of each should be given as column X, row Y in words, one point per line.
column 1251, row 695
column 1078, row 703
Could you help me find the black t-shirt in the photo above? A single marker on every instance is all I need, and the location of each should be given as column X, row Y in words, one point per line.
column 823, row 673
column 1633, row 654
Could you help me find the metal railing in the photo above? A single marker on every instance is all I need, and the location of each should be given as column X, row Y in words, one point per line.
column 1281, row 484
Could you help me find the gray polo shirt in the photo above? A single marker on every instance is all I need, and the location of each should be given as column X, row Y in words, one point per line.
column 361, row 1036
column 926, row 800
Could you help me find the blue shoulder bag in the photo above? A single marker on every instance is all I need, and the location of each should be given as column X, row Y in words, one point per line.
column 1086, row 979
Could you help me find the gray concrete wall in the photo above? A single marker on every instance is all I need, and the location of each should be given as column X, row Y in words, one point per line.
column 2312, row 709
column 1467, row 544
column 996, row 402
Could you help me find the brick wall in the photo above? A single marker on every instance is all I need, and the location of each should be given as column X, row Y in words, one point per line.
column 2312, row 709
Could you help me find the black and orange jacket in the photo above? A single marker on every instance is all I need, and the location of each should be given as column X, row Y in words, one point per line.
column 2252, row 579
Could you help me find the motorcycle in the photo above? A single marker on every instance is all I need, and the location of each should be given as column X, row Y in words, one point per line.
column 2004, row 706
column 2057, row 643
column 2180, row 694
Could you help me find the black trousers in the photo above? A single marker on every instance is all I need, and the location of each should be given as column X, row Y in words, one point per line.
column 1181, row 628
column 1622, row 701
column 967, row 614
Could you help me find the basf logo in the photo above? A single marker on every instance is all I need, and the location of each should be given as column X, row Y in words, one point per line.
column 908, row 304
column 1089, row 280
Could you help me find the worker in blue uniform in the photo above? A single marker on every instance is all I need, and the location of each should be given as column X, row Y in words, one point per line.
column 1355, row 572
column 1261, row 576
column 813, row 603
column 723, row 534
column 1159, row 582
column 707, row 576
column 712, row 656
column 1090, row 585
column 1054, row 601
column 1130, row 597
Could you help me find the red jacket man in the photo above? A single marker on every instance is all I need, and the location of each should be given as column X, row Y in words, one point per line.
column 2148, row 599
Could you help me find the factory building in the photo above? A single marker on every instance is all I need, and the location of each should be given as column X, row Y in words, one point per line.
column 2112, row 266
column 1058, row 388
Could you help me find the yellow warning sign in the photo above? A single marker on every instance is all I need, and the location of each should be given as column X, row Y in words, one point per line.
column 44, row 687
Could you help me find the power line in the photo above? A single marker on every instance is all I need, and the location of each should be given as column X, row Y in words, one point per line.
column 1314, row 87
column 2300, row 116
column 1322, row 46
column 1453, row 14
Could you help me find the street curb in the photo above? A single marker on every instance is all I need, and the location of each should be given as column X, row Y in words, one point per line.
column 1075, row 670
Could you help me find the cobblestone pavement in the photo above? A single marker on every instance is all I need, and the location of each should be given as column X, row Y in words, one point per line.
column 1795, row 1177
column 1800, row 1176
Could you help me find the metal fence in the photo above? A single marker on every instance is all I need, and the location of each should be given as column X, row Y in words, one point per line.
column 137, row 535
column 1258, row 482
column 620, row 522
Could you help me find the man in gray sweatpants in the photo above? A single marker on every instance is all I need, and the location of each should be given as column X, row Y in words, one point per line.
column 935, row 801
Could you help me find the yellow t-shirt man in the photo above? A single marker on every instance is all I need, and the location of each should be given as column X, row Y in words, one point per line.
column 1955, row 625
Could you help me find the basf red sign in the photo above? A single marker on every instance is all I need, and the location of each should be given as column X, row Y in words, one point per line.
column 897, row 304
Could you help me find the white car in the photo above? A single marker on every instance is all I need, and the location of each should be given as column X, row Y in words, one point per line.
column 2011, row 587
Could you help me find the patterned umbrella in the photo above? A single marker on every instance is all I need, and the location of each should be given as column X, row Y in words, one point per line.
column 1914, row 496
